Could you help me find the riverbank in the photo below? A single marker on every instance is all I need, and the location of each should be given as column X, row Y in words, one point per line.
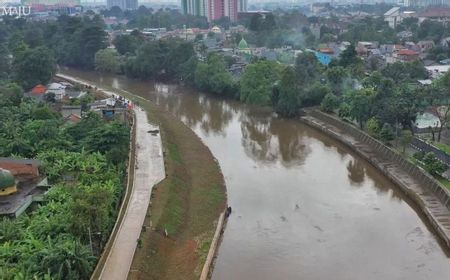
column 432, row 199
column 186, row 205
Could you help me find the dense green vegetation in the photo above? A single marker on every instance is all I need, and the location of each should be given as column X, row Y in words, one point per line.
column 85, row 163
column 35, row 47
column 145, row 17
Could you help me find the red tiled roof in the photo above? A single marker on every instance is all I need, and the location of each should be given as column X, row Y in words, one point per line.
column 407, row 52
column 38, row 90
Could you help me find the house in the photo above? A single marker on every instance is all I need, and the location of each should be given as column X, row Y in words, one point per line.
column 72, row 119
column 407, row 55
column 425, row 46
column 365, row 48
column 20, row 184
column 437, row 70
column 58, row 89
column 110, row 107
column 38, row 90
column 68, row 110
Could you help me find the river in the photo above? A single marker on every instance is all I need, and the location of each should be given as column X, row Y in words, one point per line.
column 304, row 206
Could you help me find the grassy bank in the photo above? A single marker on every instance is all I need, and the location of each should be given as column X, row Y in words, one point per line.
column 186, row 204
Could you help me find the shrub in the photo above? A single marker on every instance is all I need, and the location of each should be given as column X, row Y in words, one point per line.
column 433, row 165
column 329, row 103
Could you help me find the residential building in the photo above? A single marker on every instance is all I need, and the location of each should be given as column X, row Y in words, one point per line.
column 214, row 9
column 194, row 7
column 123, row 4
column 222, row 8
column 58, row 89
column 407, row 55
column 242, row 5
column 68, row 110
column 393, row 17
column 425, row 45
column 365, row 48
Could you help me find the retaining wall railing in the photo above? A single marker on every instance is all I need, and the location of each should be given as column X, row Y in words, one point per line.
column 427, row 181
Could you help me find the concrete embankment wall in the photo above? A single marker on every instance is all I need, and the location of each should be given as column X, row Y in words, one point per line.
column 209, row 264
column 430, row 187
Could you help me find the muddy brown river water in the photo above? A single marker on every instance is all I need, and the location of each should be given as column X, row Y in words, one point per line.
column 304, row 206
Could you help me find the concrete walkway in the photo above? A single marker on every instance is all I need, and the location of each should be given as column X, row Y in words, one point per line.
column 148, row 172
column 437, row 213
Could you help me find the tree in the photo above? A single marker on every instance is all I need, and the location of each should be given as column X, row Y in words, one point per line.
column 438, row 97
column 433, row 165
column 128, row 44
column 257, row 82
column 387, row 133
column 68, row 259
column 348, row 56
column 360, row 104
column 213, row 76
column 329, row 103
column 373, row 127
column 179, row 52
column 148, row 62
column 10, row 95
column 5, row 65
column 344, row 111
column 306, row 67
column 405, row 71
column 34, row 66
column 255, row 22
column 405, row 138
column 107, row 60
column 314, row 94
column 92, row 38
column 288, row 102
column 111, row 139
column 335, row 75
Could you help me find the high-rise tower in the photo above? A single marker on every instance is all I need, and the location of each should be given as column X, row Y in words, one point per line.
column 214, row 9
column 123, row 4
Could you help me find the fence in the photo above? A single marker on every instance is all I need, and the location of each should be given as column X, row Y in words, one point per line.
column 414, row 171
